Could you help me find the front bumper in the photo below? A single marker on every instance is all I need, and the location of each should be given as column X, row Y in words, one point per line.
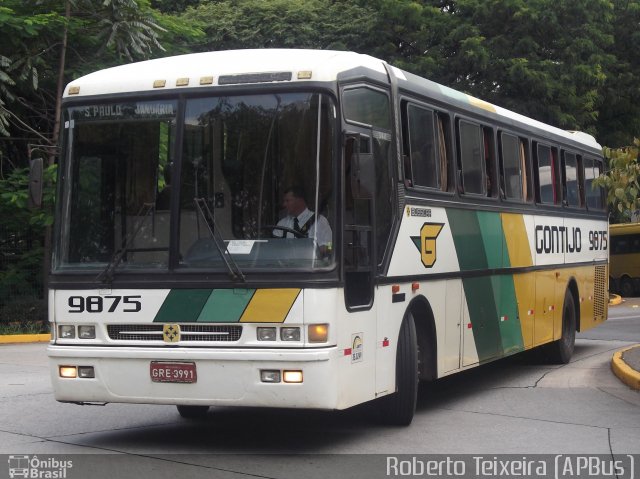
column 225, row 377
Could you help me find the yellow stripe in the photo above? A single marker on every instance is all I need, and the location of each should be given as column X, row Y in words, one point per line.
column 481, row 104
column 526, row 294
column 270, row 305
column 515, row 234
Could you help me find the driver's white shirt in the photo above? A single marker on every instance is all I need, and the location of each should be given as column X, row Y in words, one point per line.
column 320, row 227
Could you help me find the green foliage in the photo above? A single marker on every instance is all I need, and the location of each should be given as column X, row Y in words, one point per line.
column 21, row 244
column 622, row 181
column 233, row 24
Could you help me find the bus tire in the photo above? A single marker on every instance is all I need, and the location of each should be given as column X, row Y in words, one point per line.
column 627, row 288
column 193, row 412
column 398, row 408
column 560, row 351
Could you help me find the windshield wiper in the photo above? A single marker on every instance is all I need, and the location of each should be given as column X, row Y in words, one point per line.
column 107, row 274
column 214, row 232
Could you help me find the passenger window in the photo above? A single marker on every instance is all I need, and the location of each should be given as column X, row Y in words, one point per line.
column 472, row 162
column 594, row 196
column 570, row 179
column 367, row 106
column 547, row 188
column 513, row 162
column 423, row 167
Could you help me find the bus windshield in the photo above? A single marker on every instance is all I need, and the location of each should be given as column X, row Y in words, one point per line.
column 134, row 199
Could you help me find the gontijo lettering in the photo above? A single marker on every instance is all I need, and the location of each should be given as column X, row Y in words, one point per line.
column 558, row 239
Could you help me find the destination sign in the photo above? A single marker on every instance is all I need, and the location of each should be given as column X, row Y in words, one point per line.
column 125, row 111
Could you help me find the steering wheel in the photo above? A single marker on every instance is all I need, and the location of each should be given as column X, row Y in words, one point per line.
column 297, row 234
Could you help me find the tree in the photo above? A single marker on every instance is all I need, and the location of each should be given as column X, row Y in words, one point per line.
column 622, row 181
column 619, row 118
column 51, row 41
column 232, row 24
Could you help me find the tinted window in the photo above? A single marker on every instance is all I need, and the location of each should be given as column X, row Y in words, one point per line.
column 367, row 106
column 593, row 195
column 471, row 158
column 572, row 191
column 511, row 167
column 546, row 175
column 422, row 149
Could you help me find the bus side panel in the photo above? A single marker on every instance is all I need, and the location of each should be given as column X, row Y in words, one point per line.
column 355, row 335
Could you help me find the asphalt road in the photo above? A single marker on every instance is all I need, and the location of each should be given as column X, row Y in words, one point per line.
column 513, row 406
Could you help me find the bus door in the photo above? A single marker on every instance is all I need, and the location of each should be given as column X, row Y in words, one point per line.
column 359, row 217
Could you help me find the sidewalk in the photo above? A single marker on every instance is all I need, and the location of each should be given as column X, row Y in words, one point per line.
column 626, row 362
column 626, row 365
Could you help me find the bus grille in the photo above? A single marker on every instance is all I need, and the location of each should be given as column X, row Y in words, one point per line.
column 188, row 332
column 599, row 291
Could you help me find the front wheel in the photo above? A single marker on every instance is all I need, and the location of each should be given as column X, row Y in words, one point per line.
column 398, row 408
column 193, row 412
column 560, row 351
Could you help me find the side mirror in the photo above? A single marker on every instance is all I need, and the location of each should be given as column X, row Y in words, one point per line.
column 35, row 182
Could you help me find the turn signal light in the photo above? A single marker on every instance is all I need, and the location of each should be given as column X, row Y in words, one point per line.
column 318, row 333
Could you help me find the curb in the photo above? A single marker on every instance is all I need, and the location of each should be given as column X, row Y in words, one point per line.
column 625, row 373
column 615, row 300
column 25, row 338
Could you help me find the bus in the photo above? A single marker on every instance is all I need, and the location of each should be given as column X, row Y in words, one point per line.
column 625, row 259
column 446, row 232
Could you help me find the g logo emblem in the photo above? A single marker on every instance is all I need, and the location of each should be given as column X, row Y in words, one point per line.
column 171, row 333
column 426, row 243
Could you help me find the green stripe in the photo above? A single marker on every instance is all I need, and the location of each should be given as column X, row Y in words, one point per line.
column 490, row 226
column 480, row 244
column 182, row 306
column 226, row 305
column 467, row 238
column 510, row 330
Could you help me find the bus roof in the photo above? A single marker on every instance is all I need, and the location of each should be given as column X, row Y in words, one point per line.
column 269, row 65
column 624, row 229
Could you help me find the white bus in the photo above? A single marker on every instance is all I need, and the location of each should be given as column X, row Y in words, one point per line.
column 309, row 229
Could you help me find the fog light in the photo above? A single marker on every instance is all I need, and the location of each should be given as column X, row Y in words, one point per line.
column 292, row 376
column 290, row 334
column 266, row 334
column 269, row 376
column 69, row 372
column 86, row 372
column 67, row 331
column 318, row 333
column 87, row 332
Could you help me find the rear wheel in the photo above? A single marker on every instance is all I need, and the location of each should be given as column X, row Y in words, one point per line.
column 398, row 408
column 560, row 351
column 627, row 287
column 193, row 412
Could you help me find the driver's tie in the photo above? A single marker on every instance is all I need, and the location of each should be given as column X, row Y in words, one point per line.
column 296, row 225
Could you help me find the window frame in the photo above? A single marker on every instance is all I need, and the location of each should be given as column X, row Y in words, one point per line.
column 596, row 161
column 555, row 184
column 460, row 166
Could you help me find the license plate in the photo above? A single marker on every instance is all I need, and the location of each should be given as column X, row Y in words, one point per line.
column 162, row 372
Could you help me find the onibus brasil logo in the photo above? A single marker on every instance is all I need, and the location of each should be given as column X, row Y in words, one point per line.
column 36, row 468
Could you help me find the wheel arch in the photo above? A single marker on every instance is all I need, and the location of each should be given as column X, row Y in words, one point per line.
column 424, row 320
column 572, row 287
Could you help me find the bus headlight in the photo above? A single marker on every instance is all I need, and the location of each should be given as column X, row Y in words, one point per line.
column 69, row 372
column 292, row 376
column 67, row 331
column 318, row 333
column 290, row 334
column 269, row 376
column 266, row 334
column 86, row 332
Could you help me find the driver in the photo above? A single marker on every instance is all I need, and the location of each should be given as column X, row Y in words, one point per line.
column 302, row 220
